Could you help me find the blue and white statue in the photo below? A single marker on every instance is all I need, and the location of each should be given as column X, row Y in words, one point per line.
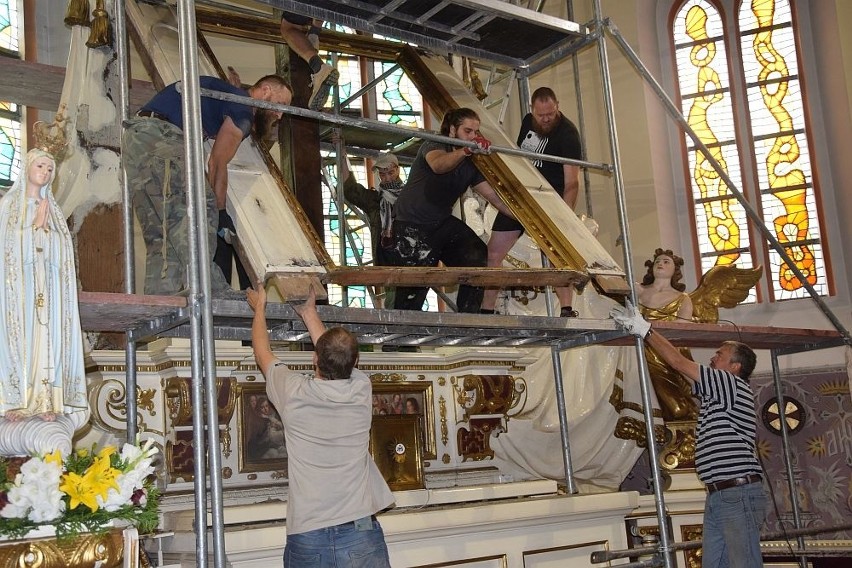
column 42, row 374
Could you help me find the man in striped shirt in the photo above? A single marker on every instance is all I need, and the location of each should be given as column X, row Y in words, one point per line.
column 725, row 450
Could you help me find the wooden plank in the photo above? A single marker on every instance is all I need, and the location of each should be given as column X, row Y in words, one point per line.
column 104, row 311
column 711, row 335
column 612, row 285
column 297, row 288
column 40, row 86
column 435, row 276
column 108, row 311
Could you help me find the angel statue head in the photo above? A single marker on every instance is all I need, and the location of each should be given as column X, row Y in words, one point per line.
column 677, row 273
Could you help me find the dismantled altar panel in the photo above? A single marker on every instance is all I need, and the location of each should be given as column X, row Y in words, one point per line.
column 554, row 227
column 256, row 201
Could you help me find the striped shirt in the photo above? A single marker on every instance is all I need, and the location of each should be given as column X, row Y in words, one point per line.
column 727, row 427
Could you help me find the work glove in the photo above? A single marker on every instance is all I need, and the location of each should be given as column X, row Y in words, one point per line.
column 226, row 230
column 483, row 146
column 629, row 319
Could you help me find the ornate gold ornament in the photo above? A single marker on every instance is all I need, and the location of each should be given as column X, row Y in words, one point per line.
column 388, row 377
column 489, row 394
column 77, row 13
column 101, row 31
column 679, row 451
column 52, row 137
column 442, row 412
column 105, row 550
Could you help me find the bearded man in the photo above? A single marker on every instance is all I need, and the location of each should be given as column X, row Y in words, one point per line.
column 545, row 130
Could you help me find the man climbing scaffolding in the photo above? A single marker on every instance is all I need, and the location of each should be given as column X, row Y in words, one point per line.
column 306, row 45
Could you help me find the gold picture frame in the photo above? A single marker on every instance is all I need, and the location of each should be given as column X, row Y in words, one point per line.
column 396, row 447
column 405, row 399
column 261, row 431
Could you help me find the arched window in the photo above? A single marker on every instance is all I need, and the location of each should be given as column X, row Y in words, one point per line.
column 752, row 119
column 10, row 113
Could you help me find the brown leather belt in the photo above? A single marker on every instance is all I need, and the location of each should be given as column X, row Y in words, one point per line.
column 145, row 113
column 735, row 482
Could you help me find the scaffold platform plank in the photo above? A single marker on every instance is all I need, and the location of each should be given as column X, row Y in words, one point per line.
column 102, row 311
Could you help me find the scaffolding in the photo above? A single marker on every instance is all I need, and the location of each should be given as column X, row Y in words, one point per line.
column 474, row 28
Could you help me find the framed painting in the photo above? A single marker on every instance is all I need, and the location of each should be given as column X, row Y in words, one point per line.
column 409, row 399
column 396, row 448
column 261, row 431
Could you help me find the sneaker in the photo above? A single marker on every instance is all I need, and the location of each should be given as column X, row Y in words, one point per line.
column 322, row 81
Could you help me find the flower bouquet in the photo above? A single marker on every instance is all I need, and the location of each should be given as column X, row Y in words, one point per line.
column 83, row 492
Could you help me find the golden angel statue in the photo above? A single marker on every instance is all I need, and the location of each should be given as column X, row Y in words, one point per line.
column 662, row 297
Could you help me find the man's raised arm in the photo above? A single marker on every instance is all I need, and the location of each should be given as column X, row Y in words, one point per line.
column 259, row 334
column 309, row 315
column 630, row 320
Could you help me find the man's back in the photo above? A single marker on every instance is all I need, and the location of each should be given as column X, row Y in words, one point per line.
column 333, row 479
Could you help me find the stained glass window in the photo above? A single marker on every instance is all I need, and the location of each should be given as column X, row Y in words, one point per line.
column 397, row 102
column 10, row 113
column 777, row 140
column 9, row 25
column 400, row 102
column 780, row 145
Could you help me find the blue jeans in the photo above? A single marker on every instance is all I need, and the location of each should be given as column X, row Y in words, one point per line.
column 357, row 544
column 732, row 520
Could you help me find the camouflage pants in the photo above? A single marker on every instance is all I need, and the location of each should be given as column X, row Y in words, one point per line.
column 155, row 166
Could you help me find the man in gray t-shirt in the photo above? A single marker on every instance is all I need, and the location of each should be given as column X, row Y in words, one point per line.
column 335, row 486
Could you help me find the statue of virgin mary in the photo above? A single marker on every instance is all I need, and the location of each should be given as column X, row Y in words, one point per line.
column 42, row 374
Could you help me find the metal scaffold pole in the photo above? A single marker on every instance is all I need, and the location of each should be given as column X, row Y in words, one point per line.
column 201, row 314
column 127, row 218
column 644, row 376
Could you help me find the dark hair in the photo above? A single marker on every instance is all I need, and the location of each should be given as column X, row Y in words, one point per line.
column 543, row 94
column 648, row 279
column 273, row 81
column 413, row 402
column 455, row 117
column 337, row 354
column 744, row 355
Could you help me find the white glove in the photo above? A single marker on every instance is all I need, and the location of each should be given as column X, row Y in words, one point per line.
column 630, row 320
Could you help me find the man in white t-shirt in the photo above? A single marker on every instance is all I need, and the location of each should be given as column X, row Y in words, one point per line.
column 335, row 486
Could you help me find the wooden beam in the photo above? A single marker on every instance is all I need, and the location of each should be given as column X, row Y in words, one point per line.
column 434, row 276
column 40, row 86
column 296, row 288
column 268, row 30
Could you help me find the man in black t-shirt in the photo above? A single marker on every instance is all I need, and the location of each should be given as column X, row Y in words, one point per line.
column 545, row 130
column 425, row 230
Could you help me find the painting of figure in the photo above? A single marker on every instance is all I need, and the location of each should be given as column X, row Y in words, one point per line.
column 262, row 443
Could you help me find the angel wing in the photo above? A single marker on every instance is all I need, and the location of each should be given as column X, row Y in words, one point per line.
column 722, row 286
